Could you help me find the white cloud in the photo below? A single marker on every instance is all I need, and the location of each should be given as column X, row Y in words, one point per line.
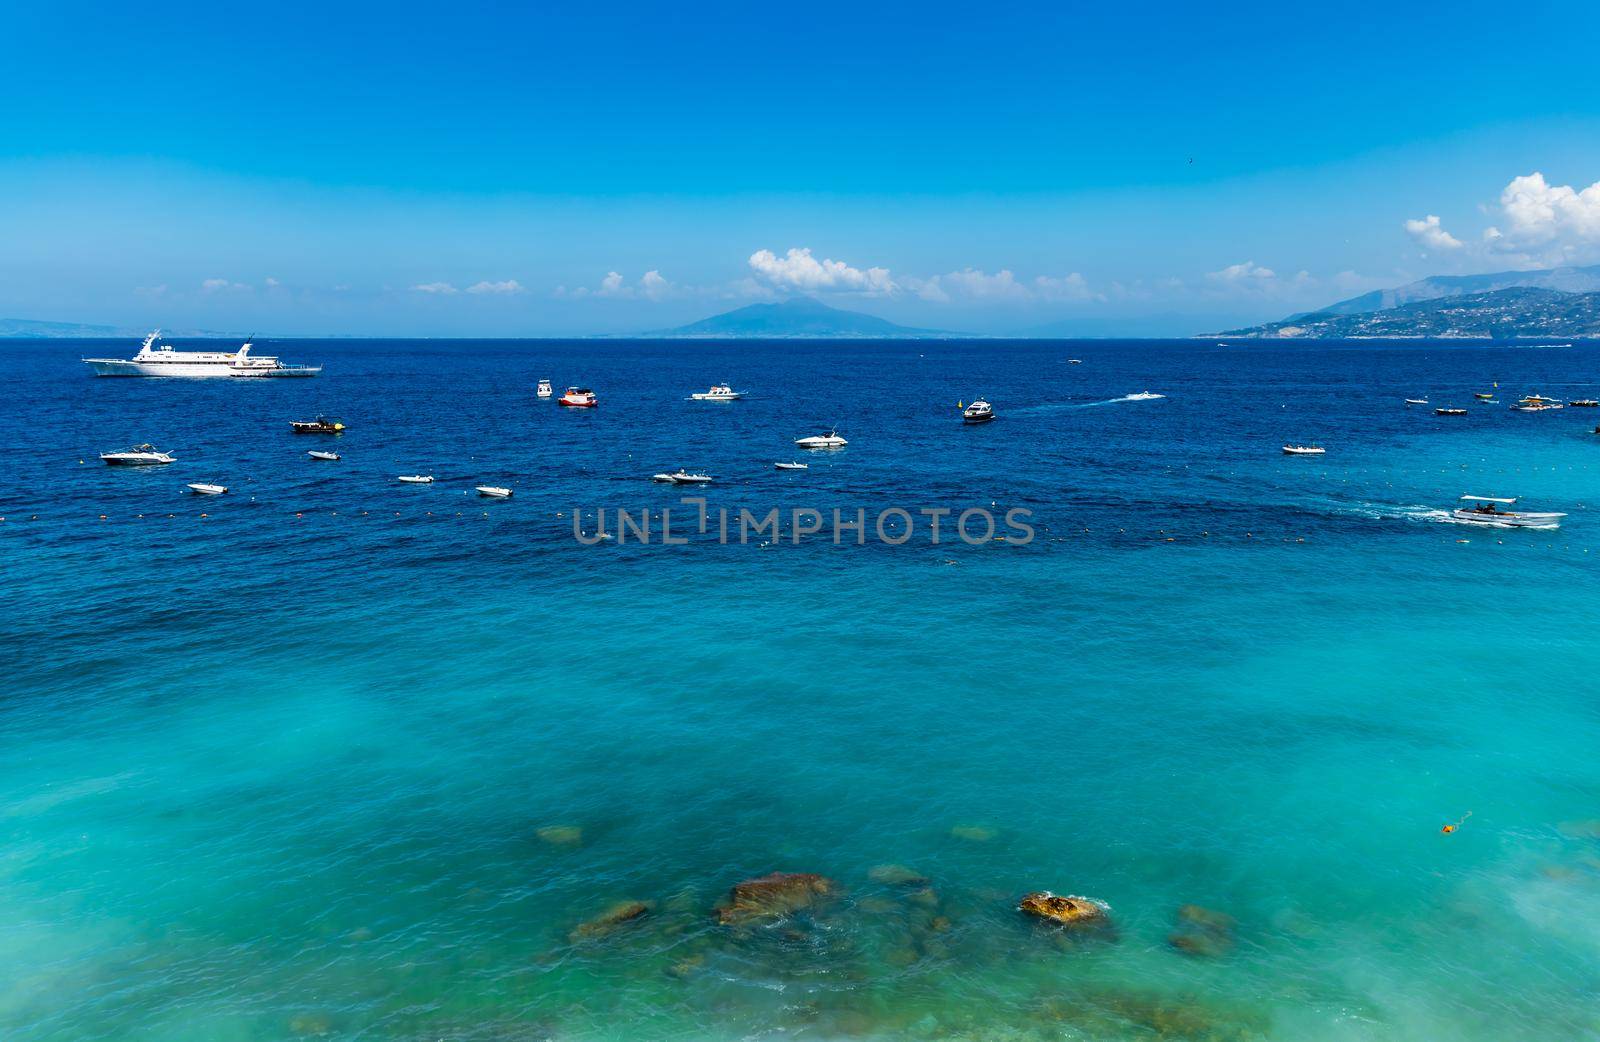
column 505, row 288
column 1248, row 273
column 437, row 288
column 273, row 283
column 1555, row 222
column 653, row 285
column 1003, row 285
column 799, row 270
column 218, row 285
column 1431, row 234
column 1067, row 287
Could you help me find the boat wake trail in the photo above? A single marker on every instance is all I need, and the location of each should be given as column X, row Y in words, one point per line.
column 1144, row 396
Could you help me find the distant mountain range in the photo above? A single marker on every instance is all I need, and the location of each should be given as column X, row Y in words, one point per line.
column 28, row 329
column 1504, row 313
column 799, row 317
column 1567, row 280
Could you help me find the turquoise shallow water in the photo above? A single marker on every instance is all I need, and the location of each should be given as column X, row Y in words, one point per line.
column 270, row 776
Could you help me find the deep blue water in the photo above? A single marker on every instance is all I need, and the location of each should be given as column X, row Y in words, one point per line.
column 275, row 764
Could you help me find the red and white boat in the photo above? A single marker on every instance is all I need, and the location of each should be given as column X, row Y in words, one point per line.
column 578, row 398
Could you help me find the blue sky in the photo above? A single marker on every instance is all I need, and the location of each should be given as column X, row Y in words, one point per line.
column 477, row 169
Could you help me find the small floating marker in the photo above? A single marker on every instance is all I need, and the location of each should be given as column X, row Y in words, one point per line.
column 102, row 517
column 1447, row 829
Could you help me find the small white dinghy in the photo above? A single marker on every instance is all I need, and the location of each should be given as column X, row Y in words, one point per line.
column 416, row 479
column 792, row 466
column 200, row 488
column 316, row 454
column 1303, row 450
column 1416, row 401
column 494, row 492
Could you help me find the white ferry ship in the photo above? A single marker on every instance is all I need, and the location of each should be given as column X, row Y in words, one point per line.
column 161, row 360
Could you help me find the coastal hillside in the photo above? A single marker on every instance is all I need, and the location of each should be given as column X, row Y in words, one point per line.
column 799, row 317
column 1566, row 280
column 1520, row 312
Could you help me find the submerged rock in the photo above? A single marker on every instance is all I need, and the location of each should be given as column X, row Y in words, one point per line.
column 311, row 1024
column 609, row 921
column 561, row 835
column 1202, row 932
column 773, row 896
column 1067, row 911
column 897, row 875
column 974, row 833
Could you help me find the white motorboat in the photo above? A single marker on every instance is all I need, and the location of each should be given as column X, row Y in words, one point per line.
column 578, row 398
column 830, row 440
column 202, row 489
column 1449, row 410
column 979, row 411
column 1486, row 510
column 718, row 393
column 1074, row 361
column 682, row 477
column 156, row 359
column 1536, row 403
column 1144, row 396
column 545, row 390
column 1584, row 403
column 494, row 491
column 792, row 466
column 1416, row 401
column 1303, row 450
column 416, row 479
column 330, row 456
column 138, row 456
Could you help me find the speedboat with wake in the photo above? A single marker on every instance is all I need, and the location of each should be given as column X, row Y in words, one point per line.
column 830, row 440
column 979, row 411
column 138, row 456
column 1143, row 396
column 1486, row 510
column 416, row 479
column 791, row 466
column 1303, row 450
column 718, row 393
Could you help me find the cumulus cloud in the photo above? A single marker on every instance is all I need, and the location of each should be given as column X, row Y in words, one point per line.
column 218, row 285
column 505, row 288
column 1430, row 234
column 652, row 286
column 438, row 288
column 799, row 270
column 1555, row 221
column 1245, row 274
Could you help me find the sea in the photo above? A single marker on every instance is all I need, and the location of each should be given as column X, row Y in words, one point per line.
column 333, row 756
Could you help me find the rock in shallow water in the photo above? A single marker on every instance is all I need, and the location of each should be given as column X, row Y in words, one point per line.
column 1067, row 911
column 609, row 921
column 1202, row 932
column 897, row 875
column 772, row 896
column 561, row 835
